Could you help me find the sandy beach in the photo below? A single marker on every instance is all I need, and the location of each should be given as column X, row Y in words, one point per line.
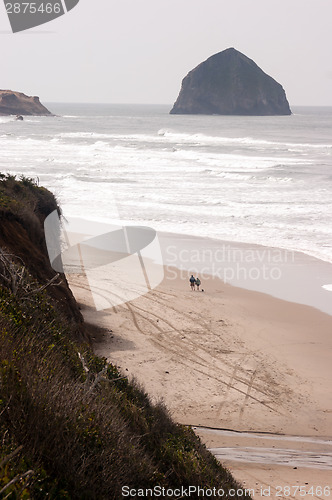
column 230, row 359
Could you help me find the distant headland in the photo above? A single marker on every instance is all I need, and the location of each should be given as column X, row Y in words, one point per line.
column 17, row 103
column 229, row 83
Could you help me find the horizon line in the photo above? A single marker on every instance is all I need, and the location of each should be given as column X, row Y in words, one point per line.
column 163, row 104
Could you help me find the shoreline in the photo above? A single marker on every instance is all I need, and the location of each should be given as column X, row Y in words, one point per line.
column 226, row 358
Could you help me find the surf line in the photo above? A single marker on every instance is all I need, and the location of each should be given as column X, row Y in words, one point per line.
column 281, row 453
column 263, row 435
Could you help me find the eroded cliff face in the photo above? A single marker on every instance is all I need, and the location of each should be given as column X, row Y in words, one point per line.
column 17, row 103
column 229, row 83
column 23, row 209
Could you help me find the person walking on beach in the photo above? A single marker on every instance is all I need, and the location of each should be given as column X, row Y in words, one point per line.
column 192, row 282
column 198, row 282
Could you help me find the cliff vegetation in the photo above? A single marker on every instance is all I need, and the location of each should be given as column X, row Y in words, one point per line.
column 71, row 425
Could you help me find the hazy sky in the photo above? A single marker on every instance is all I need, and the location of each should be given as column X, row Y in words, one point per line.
column 138, row 51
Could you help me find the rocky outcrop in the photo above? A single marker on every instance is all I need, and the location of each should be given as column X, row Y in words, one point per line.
column 16, row 103
column 229, row 83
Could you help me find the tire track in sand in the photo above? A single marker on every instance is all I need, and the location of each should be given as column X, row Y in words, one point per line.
column 192, row 358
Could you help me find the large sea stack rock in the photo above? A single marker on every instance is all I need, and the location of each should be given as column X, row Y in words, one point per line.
column 229, row 83
column 16, row 103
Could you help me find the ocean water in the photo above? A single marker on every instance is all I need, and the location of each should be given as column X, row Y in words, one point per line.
column 263, row 180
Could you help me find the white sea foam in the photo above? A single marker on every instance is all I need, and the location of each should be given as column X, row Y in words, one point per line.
column 246, row 188
column 206, row 139
column 6, row 119
column 166, row 136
